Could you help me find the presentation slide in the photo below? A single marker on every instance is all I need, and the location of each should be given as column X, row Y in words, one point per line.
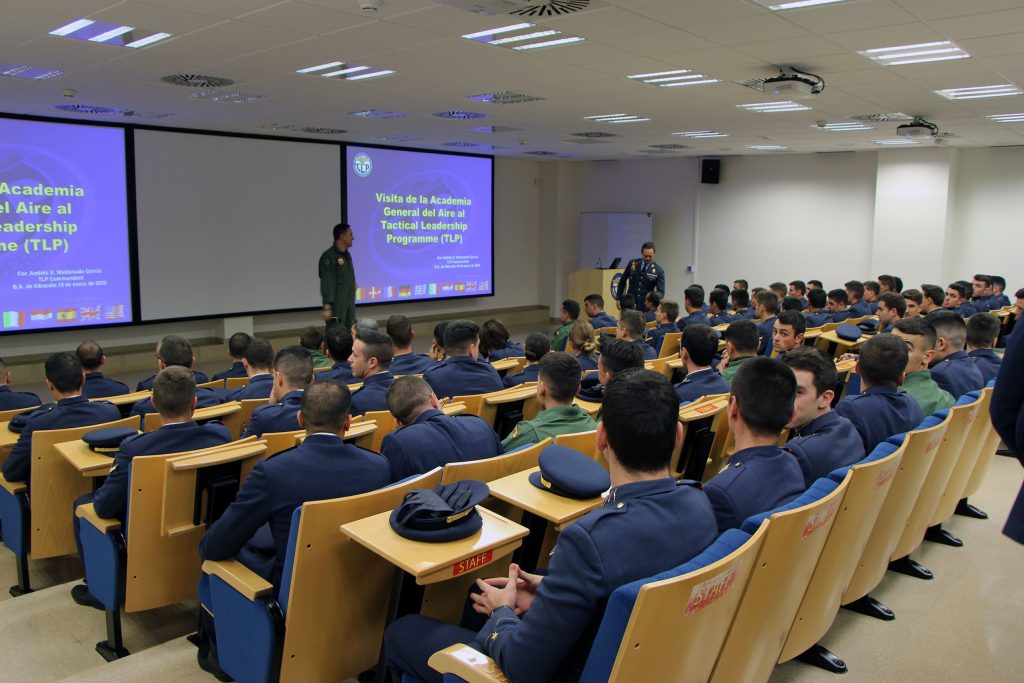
column 422, row 224
column 63, row 226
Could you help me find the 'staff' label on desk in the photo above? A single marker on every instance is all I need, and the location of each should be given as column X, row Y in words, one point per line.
column 472, row 563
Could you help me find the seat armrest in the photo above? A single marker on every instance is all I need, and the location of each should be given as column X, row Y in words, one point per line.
column 468, row 664
column 248, row 583
column 13, row 487
column 87, row 513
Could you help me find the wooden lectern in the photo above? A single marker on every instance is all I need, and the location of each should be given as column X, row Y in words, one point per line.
column 594, row 281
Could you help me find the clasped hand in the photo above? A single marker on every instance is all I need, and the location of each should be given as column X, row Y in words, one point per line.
column 517, row 591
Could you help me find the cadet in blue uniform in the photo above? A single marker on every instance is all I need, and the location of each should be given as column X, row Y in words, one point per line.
column 798, row 289
column 427, row 438
column 536, row 346
column 881, row 410
column 495, row 342
column 932, row 298
column 543, row 628
column 983, row 298
column 173, row 350
column 956, row 300
column 891, row 307
column 259, row 367
column 741, row 305
column 952, row 369
column 651, row 303
column 667, row 313
column 205, row 398
column 718, row 303
column 642, row 275
column 174, row 394
column 631, row 328
column 999, row 300
column 822, row 440
column 787, row 333
column 338, row 342
column 817, row 313
column 617, row 355
column 871, row 292
column 593, row 306
column 64, row 378
column 405, row 362
column 237, row 344
column 461, row 374
column 855, row 294
column 760, row 475
column 293, row 370
column 90, row 355
column 371, row 356
column 766, row 305
column 11, row 400
column 1008, row 419
column 700, row 343
column 982, row 333
column 837, row 306
column 693, row 304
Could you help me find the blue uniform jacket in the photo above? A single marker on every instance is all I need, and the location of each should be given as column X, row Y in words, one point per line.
column 983, row 304
column 602, row 319
column 76, row 411
column 9, row 400
column 340, row 372
column 825, row 443
column 818, row 318
column 764, row 331
column 512, row 349
column 275, row 417
column 205, row 398
column 462, row 376
column 637, row 533
column 999, row 301
column 236, row 370
column 529, row 374
column 147, row 384
column 434, row 439
column 987, row 363
column 840, row 316
column 964, row 310
column 744, row 314
column 695, row 318
column 373, row 395
column 638, row 279
column 111, row 499
column 756, row 479
column 701, row 383
column 859, row 309
column 98, row 386
column 721, row 318
column 259, row 386
column 320, row 468
column 1007, row 412
column 958, row 374
column 645, row 348
column 587, row 362
column 655, row 335
column 879, row 413
column 411, row 364
column 649, row 316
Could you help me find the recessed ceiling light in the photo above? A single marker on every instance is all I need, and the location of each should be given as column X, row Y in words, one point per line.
column 1007, row 118
column 226, row 96
column 980, row 92
column 842, row 127
column 485, row 36
column 895, row 142
column 459, row 114
column 766, row 148
column 379, row 114
column 109, row 34
column 772, row 107
column 522, row 36
column 373, row 74
column 938, row 51
column 347, row 72
column 504, row 97
column 551, row 43
column 469, row 145
column 794, row 4
column 616, row 118
column 494, row 129
column 699, row 134
column 29, row 73
column 672, row 79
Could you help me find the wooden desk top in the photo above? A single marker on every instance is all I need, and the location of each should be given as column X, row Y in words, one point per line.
column 505, row 364
column 454, row 408
column 517, row 489
column 125, row 399
column 832, row 337
column 7, row 437
column 812, row 333
column 359, row 429
column 435, row 562
column 85, row 460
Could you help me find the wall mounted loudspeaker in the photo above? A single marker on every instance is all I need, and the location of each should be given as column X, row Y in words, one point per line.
column 710, row 170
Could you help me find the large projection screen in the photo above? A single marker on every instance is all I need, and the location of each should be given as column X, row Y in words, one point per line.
column 231, row 224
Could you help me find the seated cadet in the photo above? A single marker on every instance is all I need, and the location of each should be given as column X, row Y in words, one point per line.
column 982, row 293
column 64, row 378
column 541, row 628
column 837, row 302
column 887, row 283
column 371, row 356
column 436, row 352
column 461, row 373
column 932, row 299
column 705, row 308
column 740, row 284
column 174, row 394
column 580, row 344
column 760, row 475
column 798, row 289
column 237, row 344
column 698, row 349
column 956, row 300
column 779, row 289
column 593, row 306
column 881, row 410
column 616, row 356
column 11, row 400
column 815, row 284
column 651, row 302
column 495, row 343
column 312, row 339
column 427, row 438
column 952, row 369
column 631, row 328
column 258, row 361
column 999, row 300
column 891, row 307
column 787, row 333
column 177, row 342
column 363, row 325
column 536, row 346
column 718, row 301
column 626, row 302
column 855, row 295
column 693, row 304
column 871, row 292
column 667, row 313
column 173, row 351
column 821, row 440
column 338, row 342
column 913, row 298
column 741, row 340
column 293, row 370
column 557, row 384
column 791, row 303
column 569, row 314
column 741, row 304
column 817, row 313
column 90, row 355
column 404, row 362
column 919, row 336
column 982, row 334
column 766, row 306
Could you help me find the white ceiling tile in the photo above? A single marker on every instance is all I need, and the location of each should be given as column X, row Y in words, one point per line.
column 980, row 25
column 792, row 50
column 867, row 39
column 747, row 30
column 1007, row 44
column 221, row 8
column 940, row 9
column 307, row 19
column 849, row 16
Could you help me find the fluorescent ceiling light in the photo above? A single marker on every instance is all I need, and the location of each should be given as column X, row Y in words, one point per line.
column 672, row 79
column 319, row 67
column 348, row 73
column 894, row 142
column 1007, row 118
column 616, row 118
column 980, row 92
column 703, row 81
column 374, row 74
column 148, row 40
column 550, row 43
column 660, row 73
column 518, row 37
column 525, row 36
column 794, row 4
column 112, row 33
column 700, row 134
column 842, row 127
column 771, row 107
column 495, row 31
column 109, row 34
column 72, row 27
column 604, row 116
column 938, row 51
column 766, row 148
column 342, row 72
column 28, row 73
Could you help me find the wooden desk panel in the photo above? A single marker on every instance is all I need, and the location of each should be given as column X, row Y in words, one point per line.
column 559, row 510
column 87, row 461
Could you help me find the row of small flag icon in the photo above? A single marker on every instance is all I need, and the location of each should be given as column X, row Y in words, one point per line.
column 429, row 289
column 13, row 320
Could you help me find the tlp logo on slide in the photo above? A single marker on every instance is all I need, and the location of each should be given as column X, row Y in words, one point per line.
column 362, row 164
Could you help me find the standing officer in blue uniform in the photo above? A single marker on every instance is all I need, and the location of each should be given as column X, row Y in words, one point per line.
column 593, row 305
column 952, row 369
column 338, row 278
column 90, row 355
column 822, row 440
column 293, row 370
column 461, row 374
column 237, row 344
column 1007, row 412
column 631, row 328
column 10, row 400
column 259, row 368
column 371, row 356
column 760, row 475
column 536, row 347
column 642, row 275
column 405, row 362
column 982, row 333
column 540, row 628
column 698, row 349
column 881, row 410
column 173, row 350
column 64, row 378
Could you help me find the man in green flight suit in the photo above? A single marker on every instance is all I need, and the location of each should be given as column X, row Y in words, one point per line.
column 920, row 338
column 338, row 278
column 569, row 314
column 557, row 384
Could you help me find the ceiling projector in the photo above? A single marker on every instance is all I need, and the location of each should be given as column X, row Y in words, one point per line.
column 918, row 128
column 790, row 86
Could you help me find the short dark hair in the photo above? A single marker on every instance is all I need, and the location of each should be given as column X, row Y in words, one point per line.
column 740, row 298
column 640, row 415
column 918, row 327
column 652, row 297
column 694, row 295
column 814, row 361
column 818, row 284
column 817, row 297
column 934, row 293
column 633, row 323
column 794, row 319
column 439, row 332
column 647, row 245
column 312, row 337
column 175, row 350
column 494, row 336
column 914, row 295
column 1019, row 294
column 400, row 330
column 627, row 302
column 872, row 286
column 999, row 281
column 238, row 343
column 90, row 354
column 899, row 282
column 561, row 373
column 800, row 285
column 340, row 230
column 723, row 287
column 338, row 342
column 378, row 345
column 985, row 279
column 259, row 354
column 408, row 397
column 982, row 329
column 459, row 335
column 765, row 390
column 856, row 288
column 296, row 364
column 719, row 298
column 839, row 296
column 701, row 344
column 889, row 281
column 173, row 391
column 536, row 346
column 572, row 307
column 325, row 405
column 768, row 299
column 883, row 358
column 779, row 289
column 965, row 292
column 743, row 335
column 894, row 302
column 64, row 371
column 596, row 299
column 742, row 284
column 618, row 355
column 670, row 309
column 792, row 303
column 949, row 326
